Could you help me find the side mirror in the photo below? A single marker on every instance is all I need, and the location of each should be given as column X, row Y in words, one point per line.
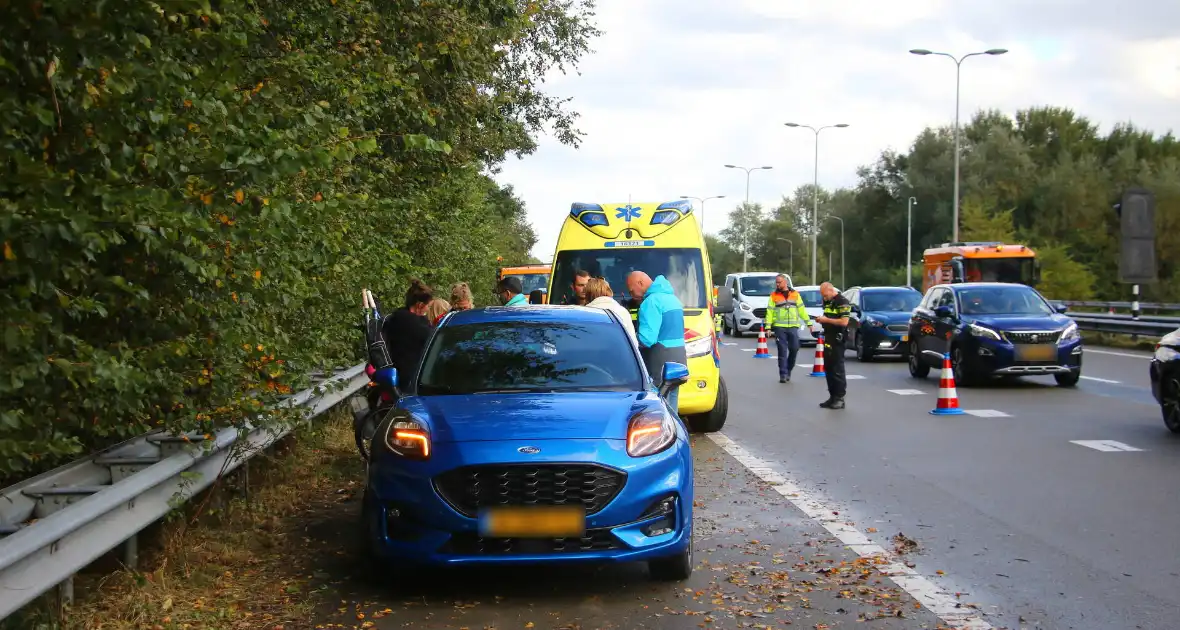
column 387, row 378
column 944, row 311
column 675, row 375
column 724, row 305
column 956, row 271
column 1061, row 307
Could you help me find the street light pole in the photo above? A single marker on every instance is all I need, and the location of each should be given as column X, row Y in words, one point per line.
column 843, row 278
column 792, row 256
column 909, row 241
column 702, row 200
column 958, row 68
column 815, row 186
column 746, row 230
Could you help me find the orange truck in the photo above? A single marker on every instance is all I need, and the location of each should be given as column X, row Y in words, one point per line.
column 979, row 262
column 533, row 277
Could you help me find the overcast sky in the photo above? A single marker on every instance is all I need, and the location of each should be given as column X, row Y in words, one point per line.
column 675, row 89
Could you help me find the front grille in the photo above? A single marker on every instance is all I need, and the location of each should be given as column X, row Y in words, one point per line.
column 760, row 313
column 469, row 489
column 472, row 544
column 898, row 327
column 1033, row 336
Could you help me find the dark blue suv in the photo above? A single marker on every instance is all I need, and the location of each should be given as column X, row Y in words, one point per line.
column 880, row 319
column 993, row 329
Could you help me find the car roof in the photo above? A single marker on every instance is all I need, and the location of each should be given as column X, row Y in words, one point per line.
column 886, row 287
column 958, row 286
column 747, row 274
column 531, row 313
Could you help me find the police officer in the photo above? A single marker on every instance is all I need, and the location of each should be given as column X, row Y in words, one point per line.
column 835, row 324
column 785, row 314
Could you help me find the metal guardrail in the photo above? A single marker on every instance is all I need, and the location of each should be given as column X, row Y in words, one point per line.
column 57, row 523
column 1124, row 323
column 1143, row 306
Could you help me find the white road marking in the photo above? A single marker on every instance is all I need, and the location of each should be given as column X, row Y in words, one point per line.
column 986, row 413
column 853, row 377
column 906, row 392
column 729, row 343
column 1100, row 380
column 1117, row 354
column 748, row 349
column 1108, row 446
column 803, row 365
column 817, row 507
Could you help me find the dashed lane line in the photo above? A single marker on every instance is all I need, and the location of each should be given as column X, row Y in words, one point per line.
column 1117, row 354
column 1107, row 446
column 907, row 392
column 1100, row 380
column 818, row 508
column 987, row 413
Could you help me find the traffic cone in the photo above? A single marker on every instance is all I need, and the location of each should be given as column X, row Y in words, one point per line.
column 948, row 398
column 817, row 368
column 762, row 352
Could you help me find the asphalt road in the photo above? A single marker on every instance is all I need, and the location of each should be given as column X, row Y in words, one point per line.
column 1006, row 509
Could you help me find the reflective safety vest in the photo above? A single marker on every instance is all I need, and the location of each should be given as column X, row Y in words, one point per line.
column 786, row 311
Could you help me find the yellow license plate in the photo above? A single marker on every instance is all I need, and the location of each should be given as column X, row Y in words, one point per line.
column 1038, row 352
column 561, row 521
column 905, row 337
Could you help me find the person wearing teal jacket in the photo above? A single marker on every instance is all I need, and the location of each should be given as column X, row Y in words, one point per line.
column 511, row 291
column 660, row 329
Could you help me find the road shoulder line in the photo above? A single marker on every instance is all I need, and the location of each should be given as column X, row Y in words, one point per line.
column 937, row 601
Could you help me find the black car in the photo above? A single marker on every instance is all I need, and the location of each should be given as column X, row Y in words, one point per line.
column 880, row 319
column 1165, row 379
column 993, row 329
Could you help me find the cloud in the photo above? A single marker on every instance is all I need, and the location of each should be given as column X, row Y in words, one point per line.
column 675, row 90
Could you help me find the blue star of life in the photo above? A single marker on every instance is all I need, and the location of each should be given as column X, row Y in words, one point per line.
column 627, row 213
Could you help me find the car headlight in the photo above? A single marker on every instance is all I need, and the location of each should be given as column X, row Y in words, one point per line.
column 745, row 307
column 1070, row 332
column 698, row 346
column 871, row 321
column 408, row 438
column 981, row 331
column 1165, row 353
column 649, row 433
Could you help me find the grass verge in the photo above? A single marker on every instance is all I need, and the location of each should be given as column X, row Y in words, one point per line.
column 235, row 565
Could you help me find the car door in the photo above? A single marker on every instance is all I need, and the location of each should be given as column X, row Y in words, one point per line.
column 731, row 284
column 944, row 327
column 853, row 297
column 922, row 323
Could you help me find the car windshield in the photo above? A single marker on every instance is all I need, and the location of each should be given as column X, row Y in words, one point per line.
column 891, row 301
column 812, row 298
column 1011, row 300
column 533, row 281
column 681, row 266
column 529, row 356
column 756, row 285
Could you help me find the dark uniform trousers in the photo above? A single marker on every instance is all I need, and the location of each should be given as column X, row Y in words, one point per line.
column 834, row 368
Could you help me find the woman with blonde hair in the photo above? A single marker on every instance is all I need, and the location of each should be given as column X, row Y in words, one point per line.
column 461, row 298
column 436, row 309
column 600, row 295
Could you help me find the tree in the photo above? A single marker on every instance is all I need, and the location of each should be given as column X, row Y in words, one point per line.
column 745, row 226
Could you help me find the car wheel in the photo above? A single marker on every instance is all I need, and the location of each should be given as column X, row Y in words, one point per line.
column 1170, row 403
column 959, row 369
column 918, row 368
column 367, row 563
column 863, row 354
column 1069, row 379
column 712, row 421
column 673, row 568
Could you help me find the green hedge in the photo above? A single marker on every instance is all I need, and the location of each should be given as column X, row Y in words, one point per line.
column 194, row 193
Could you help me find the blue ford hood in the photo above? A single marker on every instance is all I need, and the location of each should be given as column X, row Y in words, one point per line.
column 529, row 416
column 1022, row 322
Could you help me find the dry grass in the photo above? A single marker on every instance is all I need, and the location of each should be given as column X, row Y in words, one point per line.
column 238, row 566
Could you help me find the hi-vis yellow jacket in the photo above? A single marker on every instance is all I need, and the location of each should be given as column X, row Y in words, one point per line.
column 786, row 311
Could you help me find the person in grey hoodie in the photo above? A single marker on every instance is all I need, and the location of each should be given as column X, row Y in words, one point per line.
column 600, row 295
column 660, row 328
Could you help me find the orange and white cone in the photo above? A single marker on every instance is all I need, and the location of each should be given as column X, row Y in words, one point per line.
column 948, row 398
column 817, row 368
column 762, row 352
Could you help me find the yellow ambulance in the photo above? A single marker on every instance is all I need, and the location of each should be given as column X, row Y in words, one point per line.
column 661, row 239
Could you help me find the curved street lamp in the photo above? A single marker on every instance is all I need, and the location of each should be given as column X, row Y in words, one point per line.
column 815, row 188
column 745, row 241
column 702, row 200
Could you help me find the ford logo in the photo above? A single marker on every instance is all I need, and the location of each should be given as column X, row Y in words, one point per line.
column 529, row 450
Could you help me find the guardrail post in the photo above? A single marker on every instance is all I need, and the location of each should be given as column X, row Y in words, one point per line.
column 1135, row 307
column 131, row 552
column 65, row 593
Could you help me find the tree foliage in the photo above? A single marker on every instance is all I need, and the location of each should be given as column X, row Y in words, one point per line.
column 1044, row 177
column 194, row 193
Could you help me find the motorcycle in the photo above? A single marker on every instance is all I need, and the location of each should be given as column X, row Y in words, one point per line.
column 382, row 391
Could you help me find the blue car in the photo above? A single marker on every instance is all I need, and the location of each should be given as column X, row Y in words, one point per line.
column 993, row 329
column 880, row 319
column 533, row 435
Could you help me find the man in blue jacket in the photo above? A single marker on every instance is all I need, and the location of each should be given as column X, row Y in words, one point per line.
column 660, row 328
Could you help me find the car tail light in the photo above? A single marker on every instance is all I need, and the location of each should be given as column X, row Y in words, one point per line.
column 649, row 433
column 408, row 438
column 695, row 344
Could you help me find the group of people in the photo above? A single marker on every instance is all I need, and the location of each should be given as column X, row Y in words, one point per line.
column 406, row 329
column 786, row 314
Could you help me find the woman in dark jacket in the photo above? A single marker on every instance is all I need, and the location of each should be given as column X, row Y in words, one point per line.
column 405, row 331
